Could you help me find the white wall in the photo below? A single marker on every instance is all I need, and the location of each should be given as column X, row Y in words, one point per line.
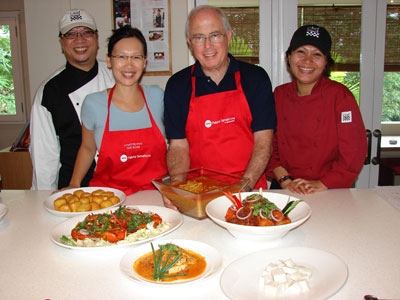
column 44, row 54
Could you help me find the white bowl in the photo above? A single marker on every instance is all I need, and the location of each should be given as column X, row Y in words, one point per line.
column 218, row 207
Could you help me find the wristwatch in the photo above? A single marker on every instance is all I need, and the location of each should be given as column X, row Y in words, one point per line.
column 284, row 178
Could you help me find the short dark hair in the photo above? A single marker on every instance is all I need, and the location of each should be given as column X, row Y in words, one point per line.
column 329, row 62
column 124, row 32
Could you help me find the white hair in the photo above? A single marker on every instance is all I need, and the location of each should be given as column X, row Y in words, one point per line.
column 199, row 8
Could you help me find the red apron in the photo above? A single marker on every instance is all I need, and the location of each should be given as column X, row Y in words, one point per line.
column 219, row 133
column 130, row 159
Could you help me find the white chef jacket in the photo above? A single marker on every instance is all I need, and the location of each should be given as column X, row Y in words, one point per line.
column 45, row 146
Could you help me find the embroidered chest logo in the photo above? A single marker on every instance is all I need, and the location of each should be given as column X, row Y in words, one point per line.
column 313, row 31
column 346, row 117
column 209, row 123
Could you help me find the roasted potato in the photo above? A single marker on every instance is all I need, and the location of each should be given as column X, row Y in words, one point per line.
column 81, row 201
column 84, row 207
column 59, row 202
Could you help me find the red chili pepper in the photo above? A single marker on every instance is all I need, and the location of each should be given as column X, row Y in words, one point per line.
column 234, row 199
column 118, row 221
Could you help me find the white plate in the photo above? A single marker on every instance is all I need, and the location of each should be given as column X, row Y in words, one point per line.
column 174, row 218
column 3, row 210
column 49, row 203
column 240, row 280
column 211, row 255
column 218, row 207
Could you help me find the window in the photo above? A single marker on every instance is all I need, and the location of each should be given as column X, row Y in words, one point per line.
column 12, row 108
column 244, row 22
column 391, row 81
column 344, row 24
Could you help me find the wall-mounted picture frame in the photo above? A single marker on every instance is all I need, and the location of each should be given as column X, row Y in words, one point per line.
column 121, row 13
column 153, row 18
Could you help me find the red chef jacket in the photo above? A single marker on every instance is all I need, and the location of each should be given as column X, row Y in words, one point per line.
column 319, row 136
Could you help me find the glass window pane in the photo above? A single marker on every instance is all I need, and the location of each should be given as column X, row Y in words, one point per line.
column 245, row 39
column 344, row 24
column 7, row 95
column 351, row 80
column 391, row 81
column 391, row 97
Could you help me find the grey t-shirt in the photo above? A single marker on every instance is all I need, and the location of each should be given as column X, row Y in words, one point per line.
column 94, row 113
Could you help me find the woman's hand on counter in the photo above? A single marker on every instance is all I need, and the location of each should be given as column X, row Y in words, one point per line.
column 303, row 186
column 71, row 186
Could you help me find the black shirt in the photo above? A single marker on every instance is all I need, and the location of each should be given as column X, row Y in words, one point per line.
column 65, row 119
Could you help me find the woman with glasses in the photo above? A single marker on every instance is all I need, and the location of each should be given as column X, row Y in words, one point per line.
column 219, row 113
column 320, row 141
column 123, row 124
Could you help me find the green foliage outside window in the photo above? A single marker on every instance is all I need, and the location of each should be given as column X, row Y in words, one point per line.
column 391, row 92
column 391, row 97
column 7, row 96
column 239, row 47
column 349, row 79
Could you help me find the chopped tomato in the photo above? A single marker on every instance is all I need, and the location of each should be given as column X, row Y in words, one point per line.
column 113, row 227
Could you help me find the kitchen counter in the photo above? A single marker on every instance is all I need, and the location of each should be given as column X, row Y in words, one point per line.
column 357, row 225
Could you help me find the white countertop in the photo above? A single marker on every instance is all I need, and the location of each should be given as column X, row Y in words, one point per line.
column 357, row 225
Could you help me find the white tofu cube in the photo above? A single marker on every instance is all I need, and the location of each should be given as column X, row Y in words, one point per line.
column 294, row 288
column 290, row 263
column 305, row 270
column 270, row 290
column 289, row 270
column 271, row 267
column 285, row 277
column 281, row 288
column 278, row 275
column 268, row 278
column 303, row 285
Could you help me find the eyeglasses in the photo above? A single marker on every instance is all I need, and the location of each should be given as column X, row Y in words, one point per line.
column 124, row 58
column 73, row 35
column 214, row 38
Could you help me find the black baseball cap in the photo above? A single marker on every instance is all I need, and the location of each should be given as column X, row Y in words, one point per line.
column 314, row 35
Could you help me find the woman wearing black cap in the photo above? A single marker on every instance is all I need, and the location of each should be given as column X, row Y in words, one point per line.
column 320, row 141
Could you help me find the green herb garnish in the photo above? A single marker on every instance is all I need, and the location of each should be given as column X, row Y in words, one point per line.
column 105, row 227
column 138, row 219
column 160, row 270
column 67, row 240
column 290, row 206
column 265, row 206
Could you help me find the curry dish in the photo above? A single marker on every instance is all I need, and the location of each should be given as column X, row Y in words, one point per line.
column 256, row 210
column 188, row 266
column 200, row 185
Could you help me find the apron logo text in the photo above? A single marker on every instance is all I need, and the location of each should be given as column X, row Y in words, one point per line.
column 133, row 145
column 209, row 123
column 125, row 158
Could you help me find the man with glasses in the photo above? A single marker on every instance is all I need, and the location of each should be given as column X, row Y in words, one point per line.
column 55, row 125
column 219, row 113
